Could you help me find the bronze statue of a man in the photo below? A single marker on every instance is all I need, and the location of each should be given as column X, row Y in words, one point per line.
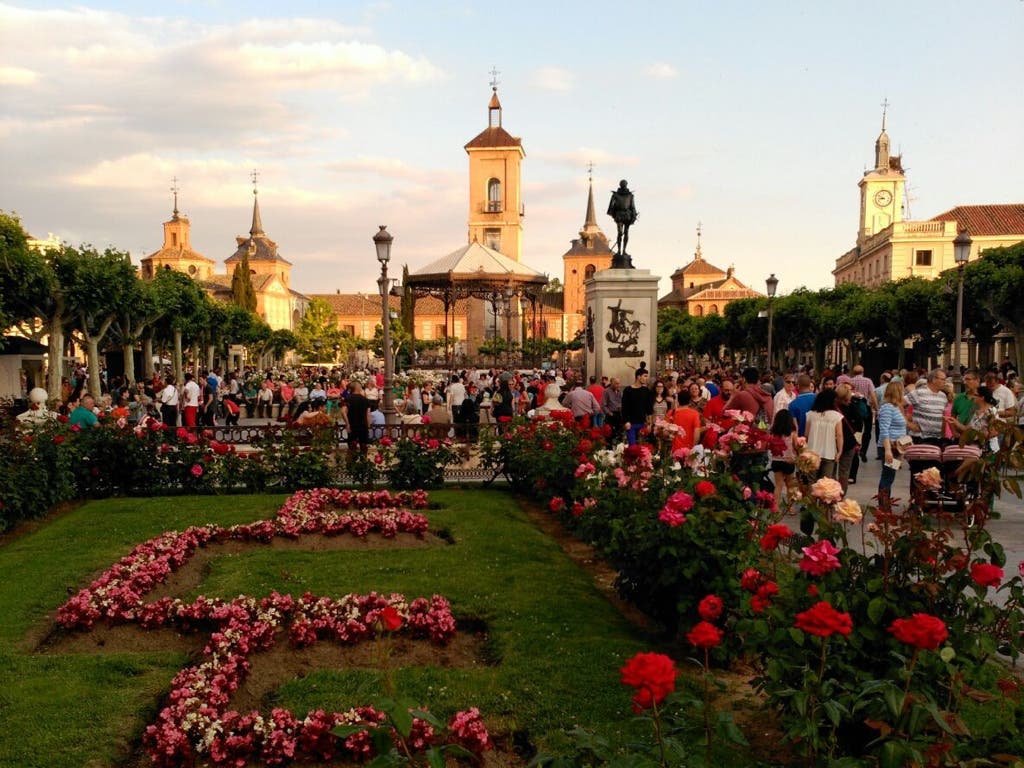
column 622, row 209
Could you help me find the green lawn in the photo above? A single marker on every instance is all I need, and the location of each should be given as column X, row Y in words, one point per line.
column 556, row 643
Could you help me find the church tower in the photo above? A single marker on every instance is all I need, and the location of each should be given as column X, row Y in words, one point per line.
column 588, row 254
column 176, row 252
column 495, row 189
column 881, row 188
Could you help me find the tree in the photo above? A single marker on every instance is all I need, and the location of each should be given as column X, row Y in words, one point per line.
column 318, row 333
column 133, row 320
column 995, row 284
column 242, row 292
column 278, row 342
column 185, row 317
column 554, row 285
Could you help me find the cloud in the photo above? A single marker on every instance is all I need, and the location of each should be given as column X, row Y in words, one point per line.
column 582, row 157
column 18, row 76
column 553, row 79
column 661, row 71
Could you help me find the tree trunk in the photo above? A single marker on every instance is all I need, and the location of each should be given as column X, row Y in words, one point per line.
column 147, row 357
column 92, row 346
column 55, row 374
column 128, row 351
column 209, row 357
column 179, row 374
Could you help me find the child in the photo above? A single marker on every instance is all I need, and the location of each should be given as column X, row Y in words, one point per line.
column 784, row 460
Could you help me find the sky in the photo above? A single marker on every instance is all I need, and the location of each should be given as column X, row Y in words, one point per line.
column 754, row 119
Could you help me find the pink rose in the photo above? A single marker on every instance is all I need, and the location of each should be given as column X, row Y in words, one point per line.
column 820, row 558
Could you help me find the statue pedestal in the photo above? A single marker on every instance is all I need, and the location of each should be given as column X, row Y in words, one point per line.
column 622, row 322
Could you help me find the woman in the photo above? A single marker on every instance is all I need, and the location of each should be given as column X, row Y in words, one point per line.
column 892, row 425
column 982, row 423
column 661, row 402
column 697, row 399
column 825, row 432
column 784, row 456
column 503, row 402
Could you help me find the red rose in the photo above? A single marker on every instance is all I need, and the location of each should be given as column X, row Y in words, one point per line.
column 823, row 620
column 759, row 602
column 390, row 618
column 921, row 631
column 653, row 675
column 710, row 608
column 197, row 470
column 577, row 509
column 705, row 635
column 181, row 433
column 986, row 575
column 751, row 580
column 58, row 439
column 704, row 488
column 557, row 504
column 775, row 535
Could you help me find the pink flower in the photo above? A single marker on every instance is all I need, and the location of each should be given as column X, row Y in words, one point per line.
column 680, row 501
column 820, row 558
column 197, row 470
column 671, row 518
column 827, row 490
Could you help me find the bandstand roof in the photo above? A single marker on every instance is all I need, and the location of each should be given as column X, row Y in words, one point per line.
column 475, row 267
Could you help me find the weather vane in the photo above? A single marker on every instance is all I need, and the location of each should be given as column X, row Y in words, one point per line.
column 494, row 78
column 255, row 177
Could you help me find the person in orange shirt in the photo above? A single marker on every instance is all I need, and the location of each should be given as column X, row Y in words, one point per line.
column 686, row 416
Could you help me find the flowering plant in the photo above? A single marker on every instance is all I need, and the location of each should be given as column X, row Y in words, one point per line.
column 417, row 460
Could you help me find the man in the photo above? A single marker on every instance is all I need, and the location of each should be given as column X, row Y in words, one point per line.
column 168, row 399
column 597, row 391
column 801, row 404
column 611, row 406
column 714, row 409
column 84, row 416
column 751, row 397
column 455, row 394
column 190, row 393
column 582, row 403
column 1006, row 403
column 637, row 406
column 356, row 414
column 926, row 423
column 623, row 211
column 785, row 395
column 863, row 387
column 963, row 403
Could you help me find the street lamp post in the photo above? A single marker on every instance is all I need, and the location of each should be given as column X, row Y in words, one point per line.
column 961, row 252
column 771, row 284
column 382, row 241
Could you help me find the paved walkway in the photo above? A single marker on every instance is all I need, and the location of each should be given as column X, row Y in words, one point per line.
column 1008, row 530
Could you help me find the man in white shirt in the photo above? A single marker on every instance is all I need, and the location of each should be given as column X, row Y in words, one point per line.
column 455, row 394
column 168, row 399
column 1006, row 403
column 929, row 402
column 787, row 394
column 191, row 394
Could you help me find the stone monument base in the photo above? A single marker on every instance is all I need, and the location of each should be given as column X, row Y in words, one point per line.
column 621, row 323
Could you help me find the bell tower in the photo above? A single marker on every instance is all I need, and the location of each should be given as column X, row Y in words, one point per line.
column 495, row 187
column 881, row 188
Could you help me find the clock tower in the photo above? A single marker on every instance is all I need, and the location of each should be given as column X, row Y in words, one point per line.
column 881, row 188
column 495, row 190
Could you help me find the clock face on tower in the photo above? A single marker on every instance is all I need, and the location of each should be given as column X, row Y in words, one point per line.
column 882, row 198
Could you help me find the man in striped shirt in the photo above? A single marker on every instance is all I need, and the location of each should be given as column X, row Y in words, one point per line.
column 929, row 403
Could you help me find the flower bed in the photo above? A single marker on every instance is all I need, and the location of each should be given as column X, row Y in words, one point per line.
column 197, row 723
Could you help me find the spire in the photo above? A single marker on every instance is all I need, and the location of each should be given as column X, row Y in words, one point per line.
column 257, row 223
column 174, row 189
column 494, row 107
column 882, row 143
column 590, row 222
column 697, row 256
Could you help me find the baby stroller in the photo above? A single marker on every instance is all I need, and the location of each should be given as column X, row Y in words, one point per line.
column 962, row 490
column 954, row 494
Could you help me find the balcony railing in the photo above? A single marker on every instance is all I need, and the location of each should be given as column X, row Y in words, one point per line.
column 493, row 206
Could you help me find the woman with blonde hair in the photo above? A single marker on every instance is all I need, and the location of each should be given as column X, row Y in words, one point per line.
column 892, row 425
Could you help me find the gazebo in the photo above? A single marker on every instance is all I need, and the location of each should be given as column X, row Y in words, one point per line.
column 478, row 272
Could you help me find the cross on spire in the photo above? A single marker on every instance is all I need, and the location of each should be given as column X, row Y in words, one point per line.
column 590, row 172
column 885, row 108
column 697, row 255
column 255, row 175
column 174, row 189
column 494, row 78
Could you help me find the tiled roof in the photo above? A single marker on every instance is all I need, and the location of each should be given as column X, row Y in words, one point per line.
column 673, row 297
column 179, row 253
column 595, row 245
column 266, row 250
column 982, row 220
column 494, row 137
column 700, row 267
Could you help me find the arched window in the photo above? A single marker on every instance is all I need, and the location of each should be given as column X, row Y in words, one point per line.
column 494, row 196
column 589, row 271
column 713, row 309
column 699, row 311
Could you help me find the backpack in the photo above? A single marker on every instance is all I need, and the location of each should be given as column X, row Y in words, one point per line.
column 861, row 408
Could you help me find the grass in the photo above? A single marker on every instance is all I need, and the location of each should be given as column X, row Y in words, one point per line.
column 556, row 644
